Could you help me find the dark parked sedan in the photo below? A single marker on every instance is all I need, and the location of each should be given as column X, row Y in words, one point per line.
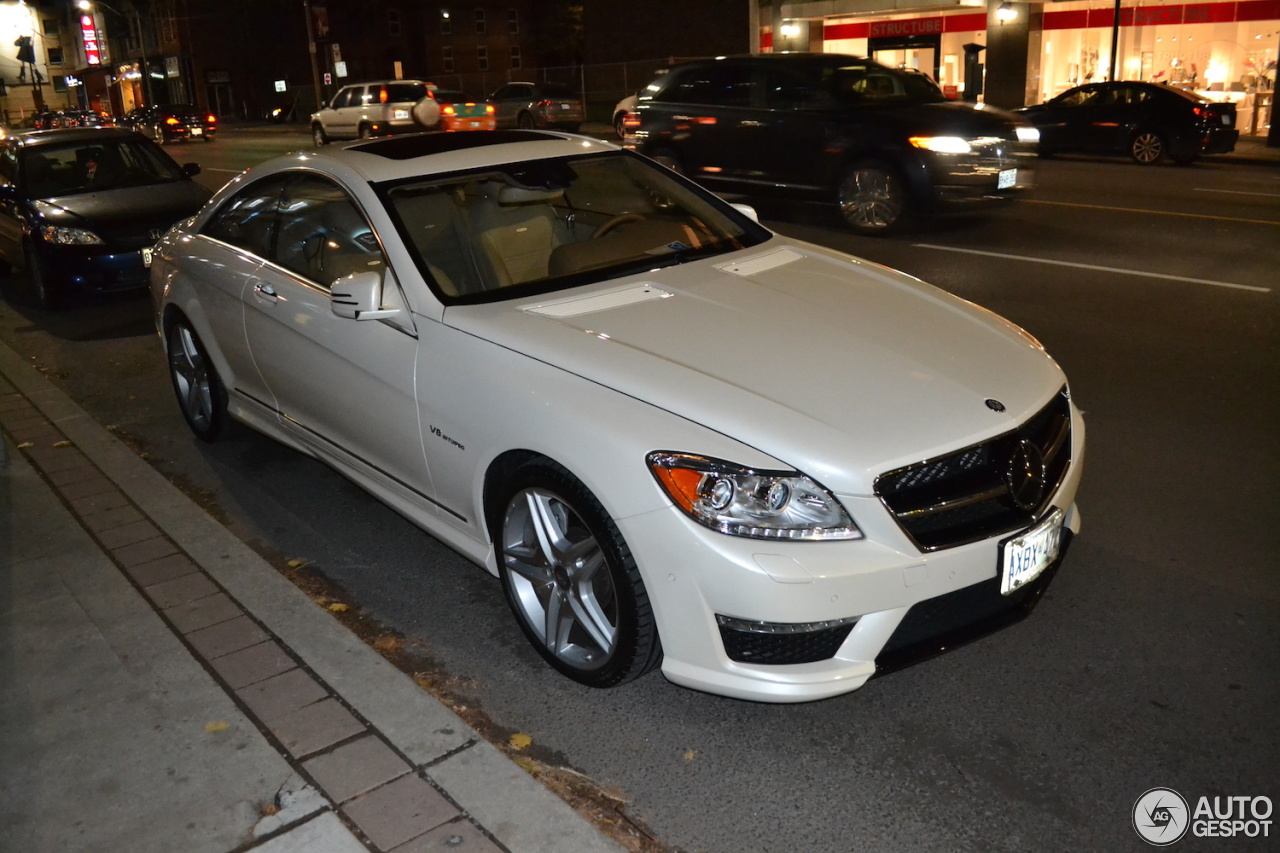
column 884, row 144
column 175, row 123
column 1146, row 121
column 81, row 208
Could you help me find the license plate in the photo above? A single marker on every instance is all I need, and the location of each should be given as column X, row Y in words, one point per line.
column 195, row 131
column 1008, row 178
column 565, row 106
column 146, row 257
column 1025, row 556
column 1226, row 119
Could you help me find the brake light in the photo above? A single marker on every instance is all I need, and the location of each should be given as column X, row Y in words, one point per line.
column 631, row 119
column 171, row 120
column 212, row 119
column 544, row 103
column 382, row 95
column 488, row 109
column 446, row 110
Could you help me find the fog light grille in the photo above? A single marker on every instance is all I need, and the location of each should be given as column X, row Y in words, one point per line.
column 780, row 643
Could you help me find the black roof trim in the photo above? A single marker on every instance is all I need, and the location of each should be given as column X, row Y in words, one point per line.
column 425, row 144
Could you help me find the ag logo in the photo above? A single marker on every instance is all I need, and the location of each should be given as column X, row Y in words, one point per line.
column 1161, row 817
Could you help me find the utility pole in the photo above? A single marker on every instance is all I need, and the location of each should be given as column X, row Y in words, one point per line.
column 311, row 48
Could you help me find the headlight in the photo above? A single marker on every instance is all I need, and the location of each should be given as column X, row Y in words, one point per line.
column 744, row 502
column 942, row 144
column 1028, row 134
column 69, row 236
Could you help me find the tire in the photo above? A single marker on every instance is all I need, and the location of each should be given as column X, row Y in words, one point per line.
column 365, row 132
column 158, row 134
column 873, row 199
column 201, row 395
column 38, row 292
column 1147, row 147
column 524, row 121
column 571, row 580
column 618, row 127
column 667, row 157
column 318, row 136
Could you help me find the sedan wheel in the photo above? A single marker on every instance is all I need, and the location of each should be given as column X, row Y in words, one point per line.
column 201, row 395
column 873, row 199
column 366, row 132
column 38, row 292
column 571, row 580
column 318, row 135
column 525, row 121
column 1147, row 147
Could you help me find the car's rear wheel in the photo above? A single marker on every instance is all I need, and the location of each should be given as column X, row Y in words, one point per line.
column 1147, row 147
column 525, row 121
column 618, row 126
column 157, row 133
column 667, row 157
column 873, row 198
column 366, row 132
column 201, row 394
column 318, row 136
column 571, row 580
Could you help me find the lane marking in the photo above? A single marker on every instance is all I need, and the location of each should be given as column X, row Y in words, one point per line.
column 1235, row 192
column 1095, row 267
column 228, row 171
column 1152, row 212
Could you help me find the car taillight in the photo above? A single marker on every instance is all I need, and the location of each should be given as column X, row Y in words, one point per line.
column 543, row 103
column 631, row 119
column 171, row 120
column 212, row 119
column 446, row 110
column 382, row 95
column 488, row 109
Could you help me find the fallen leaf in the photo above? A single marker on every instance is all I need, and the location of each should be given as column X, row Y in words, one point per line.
column 387, row 644
column 527, row 764
column 25, row 445
column 520, row 740
column 298, row 562
column 62, row 444
column 339, row 607
column 216, row 726
column 424, row 683
column 689, row 754
column 270, row 809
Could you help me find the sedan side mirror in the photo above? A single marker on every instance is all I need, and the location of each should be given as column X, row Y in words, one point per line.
column 190, row 169
column 747, row 211
column 359, row 297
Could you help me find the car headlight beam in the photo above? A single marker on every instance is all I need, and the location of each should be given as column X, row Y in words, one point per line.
column 740, row 501
column 942, row 144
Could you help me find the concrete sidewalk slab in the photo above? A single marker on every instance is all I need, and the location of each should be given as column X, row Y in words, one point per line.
column 139, row 636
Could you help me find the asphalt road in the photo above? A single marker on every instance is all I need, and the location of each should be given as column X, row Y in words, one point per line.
column 1154, row 660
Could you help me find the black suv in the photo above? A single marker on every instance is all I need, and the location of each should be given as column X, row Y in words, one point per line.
column 883, row 143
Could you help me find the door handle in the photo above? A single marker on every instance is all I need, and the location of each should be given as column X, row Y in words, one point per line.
column 264, row 292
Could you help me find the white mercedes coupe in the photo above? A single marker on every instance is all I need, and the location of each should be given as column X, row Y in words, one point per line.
column 679, row 439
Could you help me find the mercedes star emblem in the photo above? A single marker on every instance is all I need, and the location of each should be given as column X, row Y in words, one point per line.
column 1025, row 475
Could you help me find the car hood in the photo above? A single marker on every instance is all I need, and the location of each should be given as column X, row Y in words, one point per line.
column 126, row 210
column 956, row 118
column 833, row 365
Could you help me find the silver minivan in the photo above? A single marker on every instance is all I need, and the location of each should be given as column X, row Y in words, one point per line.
column 366, row 110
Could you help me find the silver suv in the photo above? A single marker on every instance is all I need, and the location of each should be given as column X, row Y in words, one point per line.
column 378, row 108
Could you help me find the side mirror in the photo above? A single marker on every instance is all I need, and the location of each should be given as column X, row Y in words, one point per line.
column 359, row 297
column 747, row 211
column 190, row 169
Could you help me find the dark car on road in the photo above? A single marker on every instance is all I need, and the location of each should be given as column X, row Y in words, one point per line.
column 529, row 105
column 167, row 123
column 80, row 209
column 1145, row 121
column 882, row 143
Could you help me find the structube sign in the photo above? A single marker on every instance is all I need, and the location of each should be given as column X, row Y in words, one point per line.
column 89, row 34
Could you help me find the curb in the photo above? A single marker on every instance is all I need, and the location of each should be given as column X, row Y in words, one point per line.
column 364, row 697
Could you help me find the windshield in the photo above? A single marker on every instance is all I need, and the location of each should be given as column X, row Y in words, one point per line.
column 546, row 225
column 83, row 167
column 871, row 82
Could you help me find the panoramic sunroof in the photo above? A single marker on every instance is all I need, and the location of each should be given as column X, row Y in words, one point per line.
column 422, row 144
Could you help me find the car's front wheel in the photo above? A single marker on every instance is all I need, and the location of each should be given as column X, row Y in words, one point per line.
column 1147, row 147
column 201, row 394
column 571, row 580
column 318, row 136
column 38, row 291
column 873, row 199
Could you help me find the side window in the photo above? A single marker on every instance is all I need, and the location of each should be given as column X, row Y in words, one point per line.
column 8, row 166
column 784, row 90
column 715, row 85
column 248, row 220
column 1083, row 98
column 503, row 92
column 323, row 235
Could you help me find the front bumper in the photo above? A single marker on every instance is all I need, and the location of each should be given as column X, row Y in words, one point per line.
column 991, row 175
column 908, row 604
column 92, row 269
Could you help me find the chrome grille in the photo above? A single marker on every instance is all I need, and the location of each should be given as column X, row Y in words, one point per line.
column 966, row 496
